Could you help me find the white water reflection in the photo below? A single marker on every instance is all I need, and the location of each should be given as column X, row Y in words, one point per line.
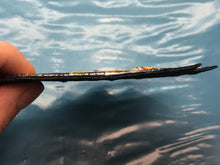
column 158, row 153
column 203, row 130
column 148, row 159
column 118, row 31
column 110, row 20
column 108, row 55
column 202, row 16
column 114, row 3
column 191, row 149
column 132, row 129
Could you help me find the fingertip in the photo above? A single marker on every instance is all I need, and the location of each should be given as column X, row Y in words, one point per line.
column 12, row 61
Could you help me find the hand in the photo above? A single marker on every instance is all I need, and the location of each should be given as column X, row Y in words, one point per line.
column 15, row 96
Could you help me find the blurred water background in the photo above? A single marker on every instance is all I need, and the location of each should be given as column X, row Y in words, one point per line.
column 133, row 122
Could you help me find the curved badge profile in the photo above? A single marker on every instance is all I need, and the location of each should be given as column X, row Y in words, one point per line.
column 134, row 73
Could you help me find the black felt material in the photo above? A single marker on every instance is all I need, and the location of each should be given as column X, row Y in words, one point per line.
column 104, row 75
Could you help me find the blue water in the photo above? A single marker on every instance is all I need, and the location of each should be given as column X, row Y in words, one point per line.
column 133, row 122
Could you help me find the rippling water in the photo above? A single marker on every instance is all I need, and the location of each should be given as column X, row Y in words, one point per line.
column 152, row 121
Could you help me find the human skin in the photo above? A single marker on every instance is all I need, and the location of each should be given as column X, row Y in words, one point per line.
column 15, row 96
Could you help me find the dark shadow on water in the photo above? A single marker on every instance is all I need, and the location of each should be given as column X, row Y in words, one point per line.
column 68, row 131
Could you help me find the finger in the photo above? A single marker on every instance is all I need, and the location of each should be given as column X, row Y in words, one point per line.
column 14, row 97
column 12, row 61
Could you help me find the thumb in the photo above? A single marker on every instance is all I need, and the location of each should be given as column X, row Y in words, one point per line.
column 15, row 97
